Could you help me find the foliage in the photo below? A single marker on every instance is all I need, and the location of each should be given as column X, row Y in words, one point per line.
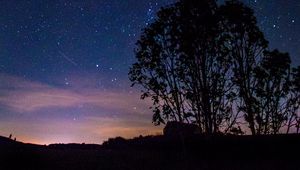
column 206, row 64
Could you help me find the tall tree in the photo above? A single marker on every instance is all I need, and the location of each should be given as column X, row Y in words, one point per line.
column 246, row 45
column 272, row 91
column 203, row 63
column 293, row 102
column 205, row 66
column 183, row 65
column 158, row 56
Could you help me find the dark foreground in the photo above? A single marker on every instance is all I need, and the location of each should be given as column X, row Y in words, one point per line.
column 158, row 152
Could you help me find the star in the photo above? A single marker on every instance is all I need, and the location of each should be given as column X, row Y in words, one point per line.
column 65, row 51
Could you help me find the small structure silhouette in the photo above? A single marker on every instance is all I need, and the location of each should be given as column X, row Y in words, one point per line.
column 10, row 136
column 173, row 129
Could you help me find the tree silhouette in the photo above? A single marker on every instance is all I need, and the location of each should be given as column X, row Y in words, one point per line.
column 272, row 91
column 293, row 102
column 183, row 66
column 155, row 70
column 159, row 69
column 206, row 64
column 246, row 45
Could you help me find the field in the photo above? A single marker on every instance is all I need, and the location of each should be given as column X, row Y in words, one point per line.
column 158, row 152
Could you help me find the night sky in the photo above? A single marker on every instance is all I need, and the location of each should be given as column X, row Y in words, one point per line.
column 64, row 65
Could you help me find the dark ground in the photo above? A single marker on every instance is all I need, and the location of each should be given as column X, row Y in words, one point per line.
column 158, row 152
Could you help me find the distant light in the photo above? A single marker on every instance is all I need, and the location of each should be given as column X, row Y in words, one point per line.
column 97, row 65
column 293, row 21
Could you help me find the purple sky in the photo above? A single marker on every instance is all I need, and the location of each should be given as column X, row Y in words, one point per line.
column 64, row 65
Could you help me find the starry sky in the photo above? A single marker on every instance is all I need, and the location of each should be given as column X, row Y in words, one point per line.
column 64, row 65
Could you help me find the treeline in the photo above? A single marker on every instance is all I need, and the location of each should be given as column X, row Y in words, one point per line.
column 210, row 65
